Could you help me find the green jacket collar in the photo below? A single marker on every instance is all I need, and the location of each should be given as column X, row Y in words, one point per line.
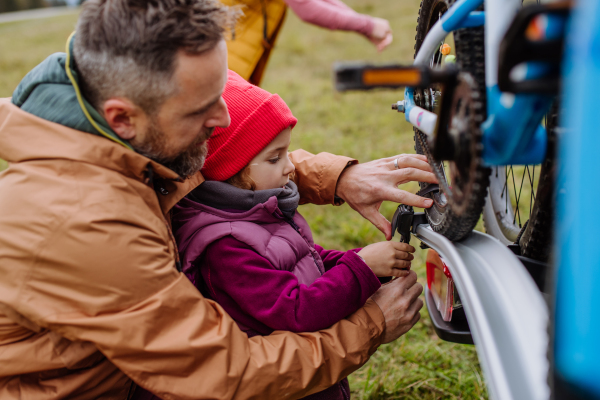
column 51, row 91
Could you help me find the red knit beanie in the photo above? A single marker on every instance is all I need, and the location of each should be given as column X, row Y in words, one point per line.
column 257, row 117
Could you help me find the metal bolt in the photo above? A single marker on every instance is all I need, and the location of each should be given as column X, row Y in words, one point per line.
column 399, row 106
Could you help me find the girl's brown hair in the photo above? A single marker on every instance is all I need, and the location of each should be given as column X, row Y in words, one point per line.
column 242, row 179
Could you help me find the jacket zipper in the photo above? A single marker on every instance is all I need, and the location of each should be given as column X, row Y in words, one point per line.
column 150, row 182
column 291, row 222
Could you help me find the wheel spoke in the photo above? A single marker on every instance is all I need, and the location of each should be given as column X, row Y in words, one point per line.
column 532, row 184
column 519, row 198
column 531, row 195
column 517, row 215
column 505, row 188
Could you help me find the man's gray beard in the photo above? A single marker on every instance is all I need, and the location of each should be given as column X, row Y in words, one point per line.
column 185, row 164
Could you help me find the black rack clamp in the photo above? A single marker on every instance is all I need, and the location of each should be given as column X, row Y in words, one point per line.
column 405, row 221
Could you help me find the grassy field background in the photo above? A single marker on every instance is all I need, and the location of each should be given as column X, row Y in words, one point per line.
column 359, row 125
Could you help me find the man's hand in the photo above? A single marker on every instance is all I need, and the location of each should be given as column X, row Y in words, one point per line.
column 365, row 186
column 399, row 301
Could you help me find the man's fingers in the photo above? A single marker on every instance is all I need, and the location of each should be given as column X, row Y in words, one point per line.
column 414, row 162
column 380, row 222
column 416, row 156
column 416, row 318
column 414, row 291
column 413, row 174
column 404, row 197
column 410, row 162
column 415, row 308
column 408, row 282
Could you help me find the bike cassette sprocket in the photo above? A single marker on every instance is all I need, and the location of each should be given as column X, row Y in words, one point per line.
column 461, row 185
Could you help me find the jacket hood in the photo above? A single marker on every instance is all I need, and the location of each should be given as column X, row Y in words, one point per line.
column 288, row 245
column 190, row 217
column 52, row 92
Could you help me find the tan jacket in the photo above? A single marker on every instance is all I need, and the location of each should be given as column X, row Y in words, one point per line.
column 90, row 298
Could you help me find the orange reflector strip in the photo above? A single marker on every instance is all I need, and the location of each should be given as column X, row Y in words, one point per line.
column 392, row 77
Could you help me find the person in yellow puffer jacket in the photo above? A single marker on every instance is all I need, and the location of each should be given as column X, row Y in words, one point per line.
column 250, row 46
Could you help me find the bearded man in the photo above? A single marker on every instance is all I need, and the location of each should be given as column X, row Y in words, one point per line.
column 102, row 141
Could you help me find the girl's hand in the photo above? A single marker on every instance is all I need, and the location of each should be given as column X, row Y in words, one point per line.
column 381, row 36
column 388, row 258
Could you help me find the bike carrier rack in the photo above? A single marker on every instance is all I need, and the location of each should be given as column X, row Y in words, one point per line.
column 507, row 314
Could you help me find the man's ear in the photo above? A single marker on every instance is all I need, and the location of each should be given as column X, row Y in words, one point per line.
column 123, row 117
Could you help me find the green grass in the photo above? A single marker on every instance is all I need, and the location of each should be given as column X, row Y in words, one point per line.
column 360, row 125
column 25, row 44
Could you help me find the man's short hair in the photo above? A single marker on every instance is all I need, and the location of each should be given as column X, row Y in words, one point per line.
column 128, row 48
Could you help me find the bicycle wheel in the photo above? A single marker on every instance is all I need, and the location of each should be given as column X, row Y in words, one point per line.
column 519, row 208
column 463, row 182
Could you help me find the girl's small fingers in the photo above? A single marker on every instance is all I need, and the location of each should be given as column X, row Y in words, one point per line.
column 402, row 264
column 403, row 255
column 403, row 247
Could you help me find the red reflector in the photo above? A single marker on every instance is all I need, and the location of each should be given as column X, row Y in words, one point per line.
column 440, row 284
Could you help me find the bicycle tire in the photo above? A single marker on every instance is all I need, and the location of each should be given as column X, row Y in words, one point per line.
column 536, row 239
column 447, row 216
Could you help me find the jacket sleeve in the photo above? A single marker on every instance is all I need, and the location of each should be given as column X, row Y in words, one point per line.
column 251, row 289
column 154, row 325
column 331, row 14
column 331, row 257
column 317, row 175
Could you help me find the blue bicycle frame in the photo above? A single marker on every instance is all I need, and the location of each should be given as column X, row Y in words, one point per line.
column 512, row 133
column 577, row 317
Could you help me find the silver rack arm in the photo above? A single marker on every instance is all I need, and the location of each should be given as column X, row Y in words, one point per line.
column 507, row 313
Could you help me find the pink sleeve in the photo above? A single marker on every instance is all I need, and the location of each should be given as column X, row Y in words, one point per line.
column 331, row 14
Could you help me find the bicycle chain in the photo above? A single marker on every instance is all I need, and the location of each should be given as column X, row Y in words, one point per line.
column 436, row 166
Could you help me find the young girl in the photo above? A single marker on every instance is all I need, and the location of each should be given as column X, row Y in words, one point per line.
column 244, row 245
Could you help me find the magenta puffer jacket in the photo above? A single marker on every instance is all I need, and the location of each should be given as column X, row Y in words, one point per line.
column 264, row 269
column 286, row 243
